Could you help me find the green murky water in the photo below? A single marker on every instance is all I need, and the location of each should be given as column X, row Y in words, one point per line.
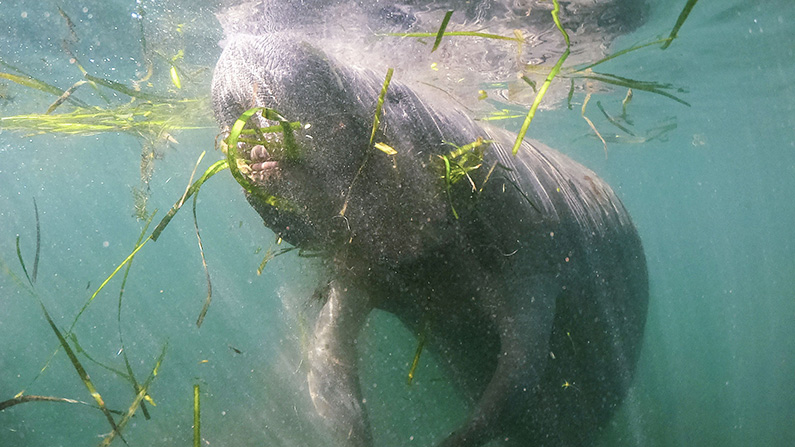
column 712, row 199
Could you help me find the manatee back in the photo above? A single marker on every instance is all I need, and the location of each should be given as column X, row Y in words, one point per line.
column 578, row 230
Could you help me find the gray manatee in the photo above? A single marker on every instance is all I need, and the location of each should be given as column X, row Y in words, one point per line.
column 525, row 272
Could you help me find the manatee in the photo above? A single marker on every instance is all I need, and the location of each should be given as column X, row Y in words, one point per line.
column 525, row 273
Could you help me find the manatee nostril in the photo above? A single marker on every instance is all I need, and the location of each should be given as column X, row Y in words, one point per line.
column 259, row 153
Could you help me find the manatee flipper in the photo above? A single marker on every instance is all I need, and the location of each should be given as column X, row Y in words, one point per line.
column 527, row 315
column 333, row 373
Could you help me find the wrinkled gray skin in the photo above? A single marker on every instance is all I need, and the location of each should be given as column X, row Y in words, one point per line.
column 540, row 282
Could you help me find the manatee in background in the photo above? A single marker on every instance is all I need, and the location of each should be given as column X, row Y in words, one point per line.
column 526, row 275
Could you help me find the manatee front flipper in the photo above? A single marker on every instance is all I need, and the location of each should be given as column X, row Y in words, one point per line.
column 524, row 322
column 333, row 376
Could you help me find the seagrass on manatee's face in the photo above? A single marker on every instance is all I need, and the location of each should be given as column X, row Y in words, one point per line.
column 524, row 273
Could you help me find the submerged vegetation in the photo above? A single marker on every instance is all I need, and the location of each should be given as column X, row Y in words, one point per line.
column 144, row 119
column 151, row 118
column 72, row 354
column 154, row 118
column 559, row 70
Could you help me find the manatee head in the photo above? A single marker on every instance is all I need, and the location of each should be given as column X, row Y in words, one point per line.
column 333, row 186
column 307, row 164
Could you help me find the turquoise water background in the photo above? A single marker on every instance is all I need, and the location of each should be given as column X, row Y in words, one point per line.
column 712, row 200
